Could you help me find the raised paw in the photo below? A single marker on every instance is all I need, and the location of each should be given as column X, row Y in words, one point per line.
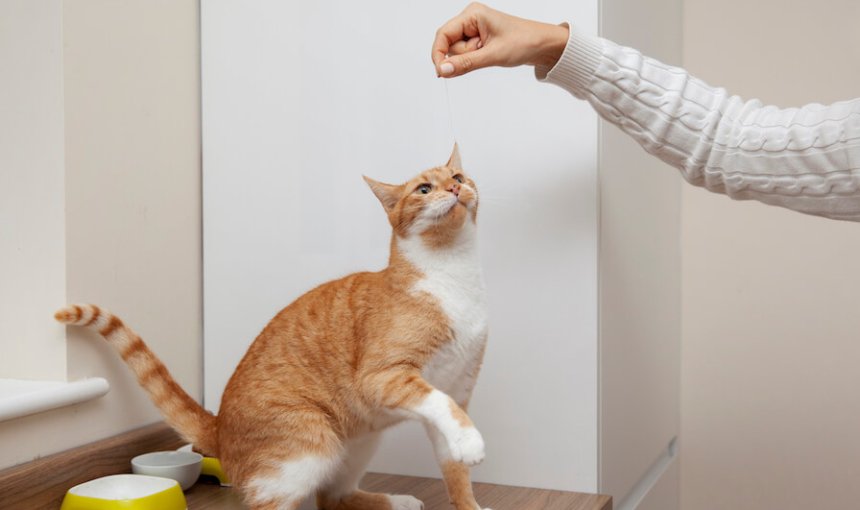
column 401, row 502
column 467, row 446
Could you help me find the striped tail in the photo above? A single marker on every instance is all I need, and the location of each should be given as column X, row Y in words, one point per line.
column 195, row 424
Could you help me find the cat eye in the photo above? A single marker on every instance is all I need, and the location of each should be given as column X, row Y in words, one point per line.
column 424, row 189
column 459, row 178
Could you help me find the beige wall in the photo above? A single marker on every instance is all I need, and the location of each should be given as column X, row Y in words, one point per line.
column 771, row 333
column 32, row 225
column 132, row 168
column 639, row 281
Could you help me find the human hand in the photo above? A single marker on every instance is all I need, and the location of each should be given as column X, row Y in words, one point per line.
column 482, row 37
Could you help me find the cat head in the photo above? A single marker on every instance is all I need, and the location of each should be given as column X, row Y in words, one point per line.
column 435, row 204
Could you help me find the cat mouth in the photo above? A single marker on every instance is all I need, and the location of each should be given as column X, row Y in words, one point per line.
column 454, row 206
column 450, row 208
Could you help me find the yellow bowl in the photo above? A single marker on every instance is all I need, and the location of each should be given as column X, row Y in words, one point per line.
column 212, row 467
column 126, row 492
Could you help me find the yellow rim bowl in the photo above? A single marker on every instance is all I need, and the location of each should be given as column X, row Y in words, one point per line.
column 212, row 467
column 126, row 492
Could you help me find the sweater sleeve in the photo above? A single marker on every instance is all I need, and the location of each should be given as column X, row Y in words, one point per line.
column 806, row 159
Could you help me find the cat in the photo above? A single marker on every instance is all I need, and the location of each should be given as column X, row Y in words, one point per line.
column 303, row 412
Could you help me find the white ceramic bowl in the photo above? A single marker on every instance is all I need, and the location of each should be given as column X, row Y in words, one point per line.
column 184, row 467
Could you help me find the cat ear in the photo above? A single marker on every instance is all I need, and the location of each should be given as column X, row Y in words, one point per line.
column 454, row 160
column 388, row 194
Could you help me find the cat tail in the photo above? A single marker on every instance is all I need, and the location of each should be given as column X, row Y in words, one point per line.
column 195, row 424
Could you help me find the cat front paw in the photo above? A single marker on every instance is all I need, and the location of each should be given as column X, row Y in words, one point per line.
column 403, row 502
column 467, row 446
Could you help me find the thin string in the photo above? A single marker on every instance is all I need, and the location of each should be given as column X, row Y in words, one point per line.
column 450, row 111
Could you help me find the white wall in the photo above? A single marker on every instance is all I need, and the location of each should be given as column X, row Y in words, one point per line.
column 32, row 224
column 770, row 331
column 132, row 200
column 291, row 121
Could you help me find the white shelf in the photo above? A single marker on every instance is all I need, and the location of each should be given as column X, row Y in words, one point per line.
column 21, row 398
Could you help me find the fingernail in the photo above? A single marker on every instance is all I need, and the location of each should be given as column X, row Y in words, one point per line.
column 446, row 68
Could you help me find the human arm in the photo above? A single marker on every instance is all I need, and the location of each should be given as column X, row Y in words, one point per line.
column 806, row 159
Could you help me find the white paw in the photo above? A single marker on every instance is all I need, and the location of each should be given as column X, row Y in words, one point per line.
column 399, row 502
column 467, row 446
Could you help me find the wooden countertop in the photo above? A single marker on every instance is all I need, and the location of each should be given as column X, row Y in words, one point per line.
column 431, row 492
column 40, row 485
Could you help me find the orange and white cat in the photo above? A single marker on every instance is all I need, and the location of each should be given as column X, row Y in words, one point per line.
column 304, row 409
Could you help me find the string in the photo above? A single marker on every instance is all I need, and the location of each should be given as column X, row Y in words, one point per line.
column 450, row 110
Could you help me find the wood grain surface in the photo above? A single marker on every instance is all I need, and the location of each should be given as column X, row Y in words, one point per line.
column 41, row 484
column 431, row 492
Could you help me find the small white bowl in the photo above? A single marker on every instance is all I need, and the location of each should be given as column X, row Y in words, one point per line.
column 184, row 467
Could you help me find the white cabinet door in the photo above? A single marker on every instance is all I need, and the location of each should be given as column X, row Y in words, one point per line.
column 302, row 98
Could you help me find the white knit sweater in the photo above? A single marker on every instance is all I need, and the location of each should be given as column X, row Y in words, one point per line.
column 806, row 159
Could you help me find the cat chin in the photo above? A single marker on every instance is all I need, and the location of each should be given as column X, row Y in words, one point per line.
column 456, row 218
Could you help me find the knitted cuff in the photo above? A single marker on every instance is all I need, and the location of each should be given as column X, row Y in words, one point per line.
column 577, row 65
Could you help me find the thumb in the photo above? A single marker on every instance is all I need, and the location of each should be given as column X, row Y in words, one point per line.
column 459, row 65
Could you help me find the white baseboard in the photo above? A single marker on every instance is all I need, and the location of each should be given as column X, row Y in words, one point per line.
column 637, row 494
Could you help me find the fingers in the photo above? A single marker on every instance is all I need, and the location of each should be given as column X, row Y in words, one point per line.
column 462, row 33
column 441, row 46
column 455, row 30
column 459, row 65
column 460, row 47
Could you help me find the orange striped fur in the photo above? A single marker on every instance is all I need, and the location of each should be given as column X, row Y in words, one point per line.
column 304, row 408
column 185, row 415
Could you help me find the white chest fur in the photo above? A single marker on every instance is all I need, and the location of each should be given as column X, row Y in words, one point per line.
column 453, row 277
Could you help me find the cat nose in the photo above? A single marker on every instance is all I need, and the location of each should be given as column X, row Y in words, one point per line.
column 454, row 188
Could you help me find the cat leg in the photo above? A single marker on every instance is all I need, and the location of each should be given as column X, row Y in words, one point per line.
column 290, row 462
column 342, row 492
column 455, row 474
column 289, row 482
column 407, row 392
